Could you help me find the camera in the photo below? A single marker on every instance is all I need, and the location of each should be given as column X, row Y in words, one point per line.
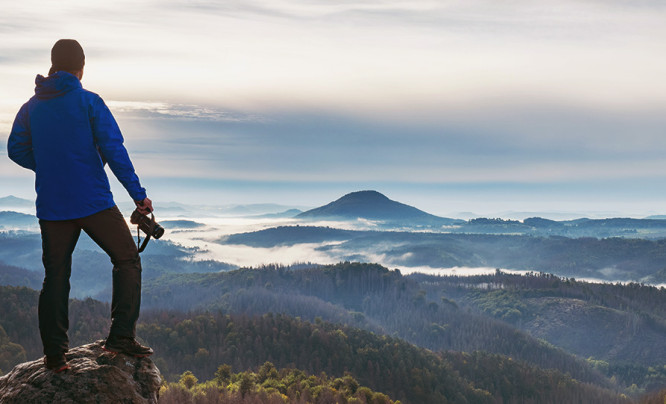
column 147, row 224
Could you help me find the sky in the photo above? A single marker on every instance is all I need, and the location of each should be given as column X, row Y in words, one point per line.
column 449, row 106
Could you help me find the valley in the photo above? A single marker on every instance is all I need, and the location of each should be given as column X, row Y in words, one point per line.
column 468, row 296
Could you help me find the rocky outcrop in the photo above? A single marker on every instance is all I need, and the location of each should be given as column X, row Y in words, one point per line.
column 95, row 376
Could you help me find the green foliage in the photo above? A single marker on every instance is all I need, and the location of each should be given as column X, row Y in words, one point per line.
column 223, row 375
column 640, row 379
column 368, row 296
column 502, row 304
column 516, row 379
column 353, row 357
column 617, row 326
column 88, row 320
column 538, row 249
column 382, row 363
column 266, row 371
column 188, row 380
column 387, row 303
column 90, row 265
column 246, row 384
column 269, row 385
column 600, row 365
column 10, row 353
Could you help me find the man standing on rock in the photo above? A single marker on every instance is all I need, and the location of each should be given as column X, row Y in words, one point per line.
column 66, row 134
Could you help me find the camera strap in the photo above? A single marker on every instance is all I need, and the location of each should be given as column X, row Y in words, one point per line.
column 142, row 246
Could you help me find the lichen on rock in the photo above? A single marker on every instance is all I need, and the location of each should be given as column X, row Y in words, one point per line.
column 95, row 376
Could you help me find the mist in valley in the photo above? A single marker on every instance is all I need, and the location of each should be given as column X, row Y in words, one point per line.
column 206, row 238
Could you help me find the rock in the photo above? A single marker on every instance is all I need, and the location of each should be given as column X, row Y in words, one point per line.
column 95, row 376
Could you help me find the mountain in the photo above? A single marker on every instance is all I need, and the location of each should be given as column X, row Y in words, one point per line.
column 621, row 326
column 190, row 211
column 15, row 219
column 181, row 224
column 21, row 263
column 612, row 259
column 578, row 228
column 202, row 341
column 256, row 209
column 15, row 276
column 373, row 205
column 366, row 296
column 13, row 202
column 287, row 214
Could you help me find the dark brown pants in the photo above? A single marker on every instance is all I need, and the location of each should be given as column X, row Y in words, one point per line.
column 109, row 230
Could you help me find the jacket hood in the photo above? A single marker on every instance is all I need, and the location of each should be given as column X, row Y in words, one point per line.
column 55, row 85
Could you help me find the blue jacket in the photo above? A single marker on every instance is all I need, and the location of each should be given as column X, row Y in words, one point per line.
column 64, row 134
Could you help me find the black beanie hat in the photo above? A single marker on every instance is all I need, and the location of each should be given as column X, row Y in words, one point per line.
column 67, row 55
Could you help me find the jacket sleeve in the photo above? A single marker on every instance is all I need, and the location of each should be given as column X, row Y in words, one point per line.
column 110, row 142
column 19, row 145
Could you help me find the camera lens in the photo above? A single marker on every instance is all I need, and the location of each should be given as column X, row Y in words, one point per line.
column 158, row 231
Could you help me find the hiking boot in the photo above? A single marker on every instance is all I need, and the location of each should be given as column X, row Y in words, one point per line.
column 126, row 345
column 56, row 363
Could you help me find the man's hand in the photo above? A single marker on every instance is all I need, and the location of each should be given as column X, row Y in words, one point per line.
column 145, row 206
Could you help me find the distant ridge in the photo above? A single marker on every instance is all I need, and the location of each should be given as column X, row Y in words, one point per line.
column 373, row 205
column 10, row 218
column 289, row 213
column 14, row 202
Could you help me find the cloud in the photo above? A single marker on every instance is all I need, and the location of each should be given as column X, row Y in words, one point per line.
column 206, row 240
column 192, row 112
column 427, row 95
column 537, row 145
column 355, row 56
column 21, row 56
column 537, row 156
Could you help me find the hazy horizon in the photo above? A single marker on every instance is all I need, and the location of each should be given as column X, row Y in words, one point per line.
column 273, row 207
column 453, row 106
column 205, row 243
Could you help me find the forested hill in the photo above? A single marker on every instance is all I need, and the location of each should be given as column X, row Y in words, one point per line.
column 9, row 219
column 388, row 214
column 91, row 266
column 201, row 342
column 610, row 258
column 620, row 328
column 385, row 364
column 361, row 295
column 373, row 205
column 583, row 227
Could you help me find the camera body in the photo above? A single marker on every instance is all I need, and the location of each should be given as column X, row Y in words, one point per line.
column 147, row 224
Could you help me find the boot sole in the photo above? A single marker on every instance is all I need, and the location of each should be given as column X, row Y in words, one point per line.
column 60, row 369
column 55, row 369
column 126, row 353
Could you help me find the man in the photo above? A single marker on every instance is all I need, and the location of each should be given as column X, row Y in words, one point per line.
column 66, row 134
